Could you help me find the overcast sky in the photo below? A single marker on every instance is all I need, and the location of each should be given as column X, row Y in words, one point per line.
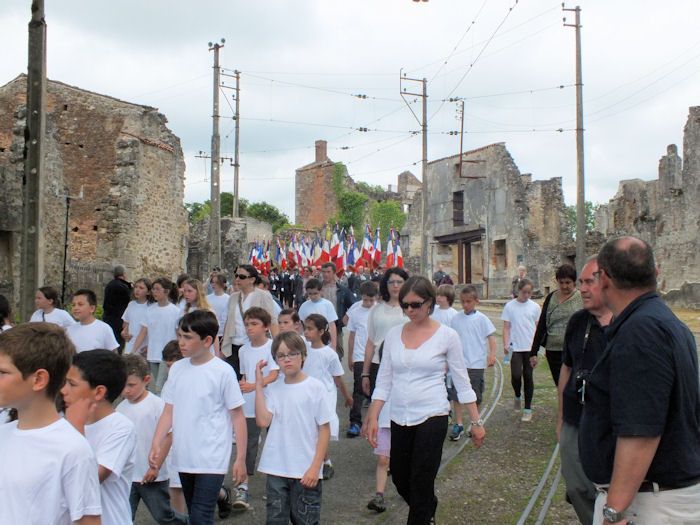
column 303, row 62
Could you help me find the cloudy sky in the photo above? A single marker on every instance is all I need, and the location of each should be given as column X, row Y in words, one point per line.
column 304, row 62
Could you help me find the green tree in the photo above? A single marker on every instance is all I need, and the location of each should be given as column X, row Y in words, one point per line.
column 196, row 211
column 268, row 213
column 363, row 187
column 590, row 219
column 351, row 204
column 386, row 215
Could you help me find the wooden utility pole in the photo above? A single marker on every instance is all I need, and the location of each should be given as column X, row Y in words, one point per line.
column 424, row 164
column 235, row 154
column 32, row 258
column 580, row 193
column 215, row 199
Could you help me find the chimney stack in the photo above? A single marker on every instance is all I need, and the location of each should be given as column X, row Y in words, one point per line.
column 321, row 151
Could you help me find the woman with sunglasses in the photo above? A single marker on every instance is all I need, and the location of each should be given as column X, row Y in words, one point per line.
column 246, row 296
column 412, row 374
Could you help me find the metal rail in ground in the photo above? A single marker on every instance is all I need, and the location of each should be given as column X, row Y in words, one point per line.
column 538, row 490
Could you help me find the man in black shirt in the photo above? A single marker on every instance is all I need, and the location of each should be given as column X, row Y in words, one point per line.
column 640, row 430
column 584, row 343
column 117, row 297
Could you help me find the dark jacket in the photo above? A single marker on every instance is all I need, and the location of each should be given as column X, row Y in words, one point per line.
column 344, row 300
column 117, row 297
column 540, row 338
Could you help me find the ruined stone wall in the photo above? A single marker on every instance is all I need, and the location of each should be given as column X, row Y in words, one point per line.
column 130, row 168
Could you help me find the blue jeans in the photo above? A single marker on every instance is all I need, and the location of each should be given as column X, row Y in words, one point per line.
column 201, row 492
column 288, row 499
column 157, row 498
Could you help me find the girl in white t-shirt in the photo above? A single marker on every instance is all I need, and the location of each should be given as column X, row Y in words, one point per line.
column 134, row 316
column 296, row 412
column 323, row 364
column 49, row 308
column 519, row 318
column 219, row 300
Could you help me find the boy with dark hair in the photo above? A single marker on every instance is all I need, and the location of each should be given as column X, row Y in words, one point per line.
column 478, row 346
column 257, row 322
column 89, row 333
column 97, row 377
column 358, row 315
column 445, row 298
column 316, row 304
column 201, row 388
column 143, row 409
column 42, row 455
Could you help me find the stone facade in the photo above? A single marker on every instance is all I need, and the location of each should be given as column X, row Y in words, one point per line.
column 483, row 224
column 237, row 236
column 664, row 212
column 130, row 169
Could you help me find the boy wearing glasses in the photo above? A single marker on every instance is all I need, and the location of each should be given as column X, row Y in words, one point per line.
column 298, row 417
column 257, row 323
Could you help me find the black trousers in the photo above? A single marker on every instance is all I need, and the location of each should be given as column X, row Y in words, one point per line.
column 415, row 458
column 521, row 372
column 234, row 360
column 358, row 396
column 554, row 360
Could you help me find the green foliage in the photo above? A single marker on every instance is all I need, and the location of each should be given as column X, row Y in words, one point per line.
column 196, row 211
column 337, row 181
column 590, row 220
column 351, row 210
column 368, row 188
column 268, row 213
column 386, row 215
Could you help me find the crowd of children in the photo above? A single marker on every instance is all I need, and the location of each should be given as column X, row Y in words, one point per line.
column 173, row 452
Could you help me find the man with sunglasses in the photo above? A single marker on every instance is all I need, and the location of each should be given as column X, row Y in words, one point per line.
column 584, row 343
column 640, row 429
column 247, row 296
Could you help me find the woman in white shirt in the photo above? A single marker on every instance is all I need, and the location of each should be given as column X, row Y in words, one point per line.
column 49, row 308
column 412, row 373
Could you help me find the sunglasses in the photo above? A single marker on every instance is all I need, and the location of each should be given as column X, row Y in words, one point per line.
column 241, row 276
column 415, row 305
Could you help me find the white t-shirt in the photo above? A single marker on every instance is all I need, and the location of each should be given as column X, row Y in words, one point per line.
column 144, row 415
column 323, row 364
column 202, row 397
column 473, row 330
column 135, row 314
column 241, row 337
column 96, row 335
column 322, row 306
column 443, row 316
column 249, row 357
column 5, row 328
column 383, row 318
column 220, row 305
column 57, row 316
column 113, row 440
column 48, row 475
column 523, row 319
column 297, row 411
column 161, row 322
column 357, row 322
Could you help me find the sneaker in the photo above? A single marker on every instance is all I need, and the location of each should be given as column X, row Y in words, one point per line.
column 225, row 503
column 527, row 415
column 457, row 432
column 353, row 431
column 328, row 471
column 377, row 503
column 517, row 403
column 241, row 501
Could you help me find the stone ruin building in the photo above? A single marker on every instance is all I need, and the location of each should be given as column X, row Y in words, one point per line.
column 664, row 212
column 130, row 168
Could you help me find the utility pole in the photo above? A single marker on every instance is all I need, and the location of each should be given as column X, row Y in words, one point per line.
column 580, row 194
column 32, row 258
column 237, row 120
column 424, row 164
column 215, row 199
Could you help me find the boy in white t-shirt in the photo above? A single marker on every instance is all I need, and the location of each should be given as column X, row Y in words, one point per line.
column 445, row 299
column 97, row 377
column 478, row 345
column 89, row 333
column 143, row 408
column 298, row 417
column 357, row 340
column 203, row 406
column 42, row 455
column 520, row 318
column 257, row 322
column 316, row 304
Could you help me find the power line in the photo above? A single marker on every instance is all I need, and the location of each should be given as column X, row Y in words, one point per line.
column 507, row 93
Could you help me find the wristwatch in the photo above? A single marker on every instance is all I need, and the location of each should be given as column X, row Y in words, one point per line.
column 479, row 423
column 612, row 515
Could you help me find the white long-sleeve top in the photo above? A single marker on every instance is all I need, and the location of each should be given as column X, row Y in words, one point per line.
column 417, row 385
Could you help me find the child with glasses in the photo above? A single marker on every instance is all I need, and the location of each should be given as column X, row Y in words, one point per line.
column 298, row 417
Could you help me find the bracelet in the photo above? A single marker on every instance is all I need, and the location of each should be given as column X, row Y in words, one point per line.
column 479, row 423
column 365, row 375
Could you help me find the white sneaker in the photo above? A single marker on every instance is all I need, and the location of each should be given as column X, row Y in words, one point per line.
column 527, row 415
